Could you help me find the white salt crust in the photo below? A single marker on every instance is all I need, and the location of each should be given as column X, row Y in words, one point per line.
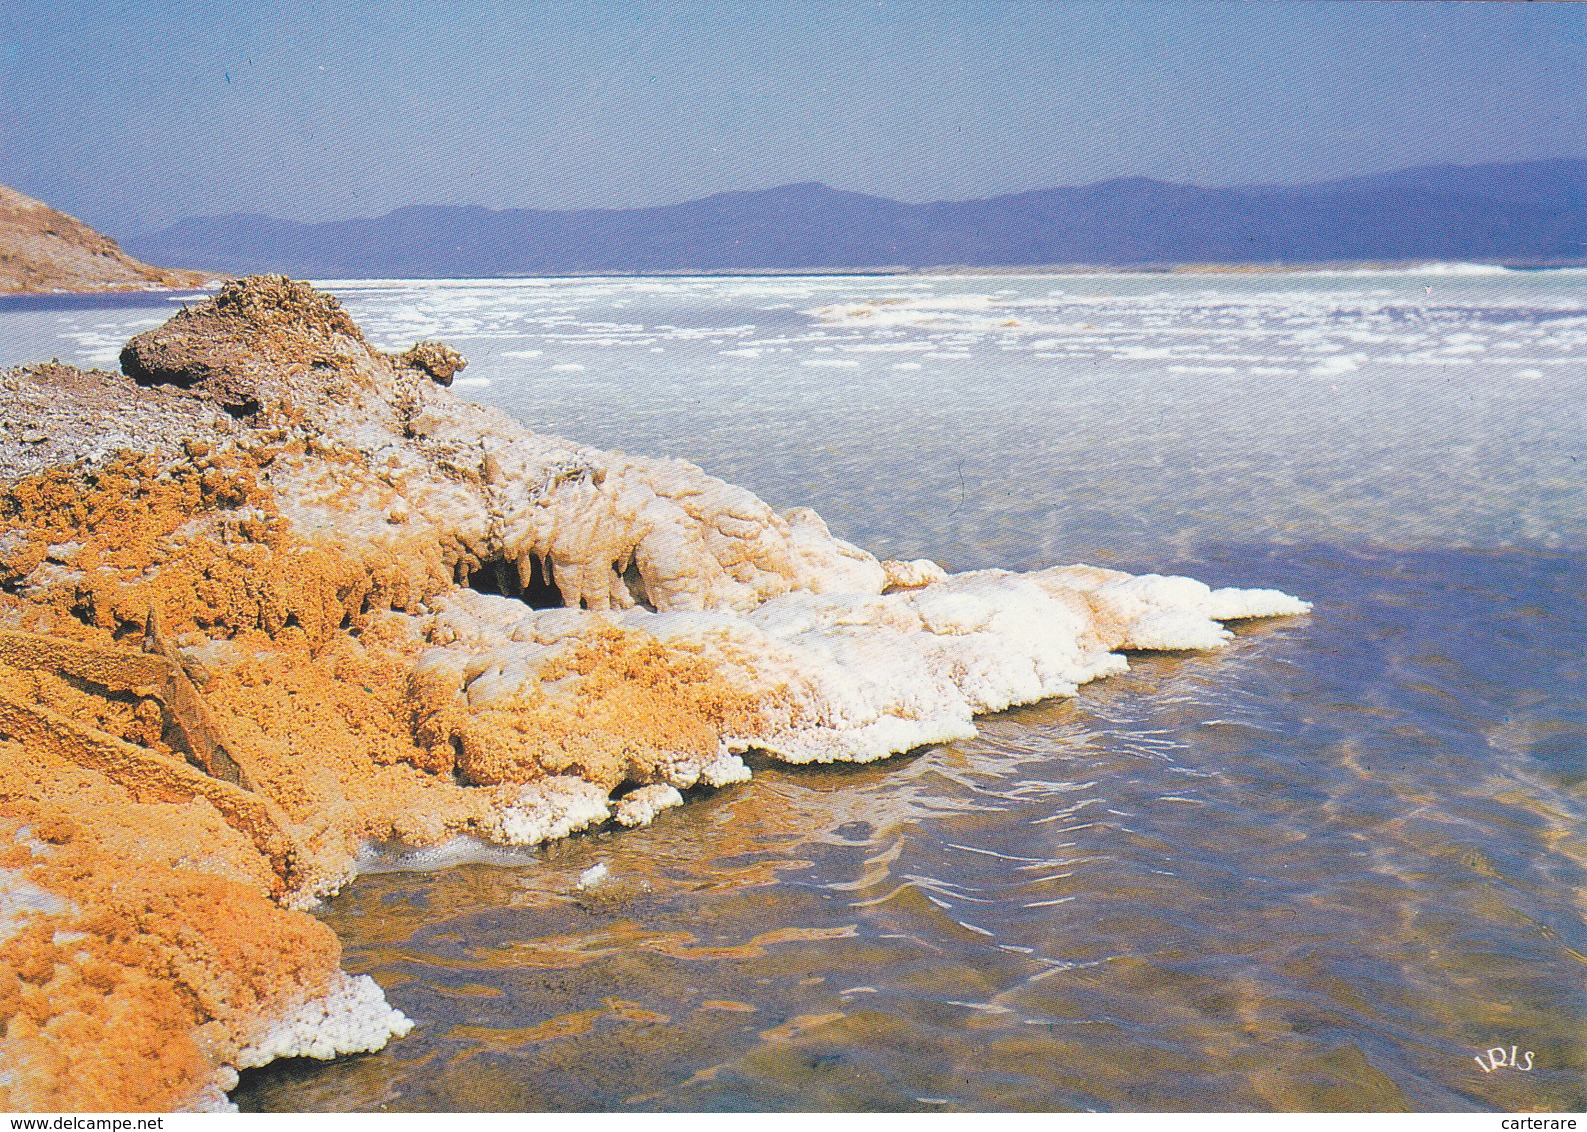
column 857, row 677
column 351, row 1017
column 547, row 810
column 642, row 806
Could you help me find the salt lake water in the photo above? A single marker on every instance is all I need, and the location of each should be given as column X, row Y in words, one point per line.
column 1328, row 867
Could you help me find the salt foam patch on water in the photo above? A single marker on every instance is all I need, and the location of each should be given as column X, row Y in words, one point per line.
column 460, row 850
column 1456, row 269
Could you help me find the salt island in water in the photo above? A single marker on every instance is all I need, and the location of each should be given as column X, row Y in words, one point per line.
column 276, row 604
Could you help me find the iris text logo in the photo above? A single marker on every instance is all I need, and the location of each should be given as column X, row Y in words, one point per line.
column 1500, row 1058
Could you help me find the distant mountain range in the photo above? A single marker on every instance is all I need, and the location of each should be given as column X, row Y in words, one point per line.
column 1525, row 214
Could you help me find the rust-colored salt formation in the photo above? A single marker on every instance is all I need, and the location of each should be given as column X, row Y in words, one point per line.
column 272, row 600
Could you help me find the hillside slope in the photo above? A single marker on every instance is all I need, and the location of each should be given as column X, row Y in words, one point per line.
column 45, row 250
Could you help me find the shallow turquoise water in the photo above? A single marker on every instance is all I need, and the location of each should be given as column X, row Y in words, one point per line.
column 1325, row 868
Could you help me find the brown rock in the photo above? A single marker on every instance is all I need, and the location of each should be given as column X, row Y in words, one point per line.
column 263, row 340
column 436, row 359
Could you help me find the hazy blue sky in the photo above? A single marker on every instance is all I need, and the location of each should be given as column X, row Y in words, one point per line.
column 136, row 114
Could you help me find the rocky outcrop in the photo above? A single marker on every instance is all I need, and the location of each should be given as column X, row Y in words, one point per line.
column 45, row 250
column 286, row 602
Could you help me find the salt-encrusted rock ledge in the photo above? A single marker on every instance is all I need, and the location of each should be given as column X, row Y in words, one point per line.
column 271, row 598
